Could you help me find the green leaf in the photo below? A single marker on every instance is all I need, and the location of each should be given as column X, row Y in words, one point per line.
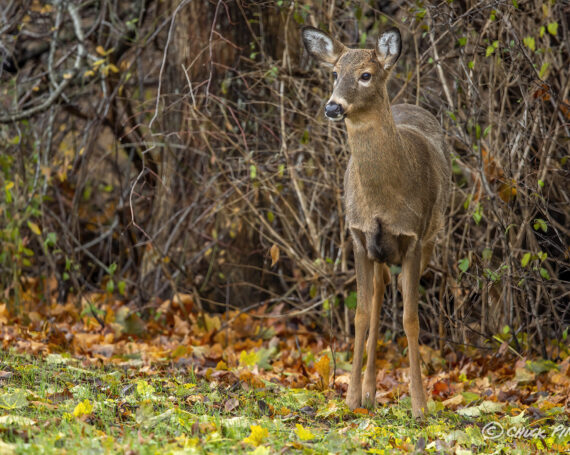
column 13, row 400
column 552, row 28
column 542, row 30
column 544, row 273
column 470, row 396
column 462, row 41
column 252, row 171
column 541, row 366
column 121, row 285
column 463, row 264
column 51, row 239
column 478, row 215
column 539, row 223
column 34, row 228
column 110, row 286
column 489, row 51
column 351, row 300
column 529, row 42
column 543, row 70
column 540, row 183
column 525, row 260
column 471, row 64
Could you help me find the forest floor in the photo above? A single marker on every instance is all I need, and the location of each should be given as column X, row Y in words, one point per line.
column 102, row 380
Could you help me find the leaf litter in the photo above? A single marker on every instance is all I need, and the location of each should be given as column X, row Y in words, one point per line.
column 182, row 381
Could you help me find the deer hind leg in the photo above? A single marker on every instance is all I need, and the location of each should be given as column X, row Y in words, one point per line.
column 427, row 250
column 364, row 284
column 411, row 278
column 381, row 279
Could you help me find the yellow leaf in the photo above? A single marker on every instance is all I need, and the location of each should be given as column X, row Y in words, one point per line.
column 89, row 73
column 323, row 367
column 67, row 75
column 144, row 389
column 274, row 254
column 248, row 359
column 83, row 408
column 34, row 228
column 113, row 68
column 101, row 51
column 9, row 185
column 258, row 434
column 99, row 62
column 303, row 433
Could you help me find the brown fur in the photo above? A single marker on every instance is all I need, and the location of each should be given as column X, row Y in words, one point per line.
column 396, row 188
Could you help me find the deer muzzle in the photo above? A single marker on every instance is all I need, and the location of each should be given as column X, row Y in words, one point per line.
column 334, row 111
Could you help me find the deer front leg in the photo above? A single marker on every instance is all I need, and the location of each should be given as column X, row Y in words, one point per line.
column 411, row 278
column 364, row 277
column 381, row 278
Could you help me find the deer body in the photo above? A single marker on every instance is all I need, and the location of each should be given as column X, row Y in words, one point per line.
column 396, row 188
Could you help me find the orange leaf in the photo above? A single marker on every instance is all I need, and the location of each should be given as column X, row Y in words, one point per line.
column 323, row 367
column 274, row 254
column 361, row 411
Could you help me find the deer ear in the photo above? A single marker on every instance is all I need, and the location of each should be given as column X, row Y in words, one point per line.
column 322, row 46
column 388, row 48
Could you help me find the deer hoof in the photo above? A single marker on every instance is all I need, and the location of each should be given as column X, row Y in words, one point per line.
column 353, row 400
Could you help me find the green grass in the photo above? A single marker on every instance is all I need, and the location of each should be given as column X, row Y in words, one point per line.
column 57, row 405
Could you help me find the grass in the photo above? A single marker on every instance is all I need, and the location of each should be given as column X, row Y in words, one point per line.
column 58, row 405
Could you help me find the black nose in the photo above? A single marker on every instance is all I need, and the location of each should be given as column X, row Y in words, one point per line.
column 333, row 110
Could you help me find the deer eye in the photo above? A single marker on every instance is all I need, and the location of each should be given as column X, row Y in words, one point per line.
column 365, row 76
column 335, row 75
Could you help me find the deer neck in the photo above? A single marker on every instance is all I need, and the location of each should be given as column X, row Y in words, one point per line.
column 375, row 146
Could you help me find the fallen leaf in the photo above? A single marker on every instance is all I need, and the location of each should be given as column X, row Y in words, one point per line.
column 14, row 420
column 323, row 368
column 231, row 404
column 303, row 434
column 83, row 408
column 258, row 434
column 454, row 401
column 13, row 400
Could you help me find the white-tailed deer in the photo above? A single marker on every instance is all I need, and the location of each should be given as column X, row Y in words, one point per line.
column 396, row 191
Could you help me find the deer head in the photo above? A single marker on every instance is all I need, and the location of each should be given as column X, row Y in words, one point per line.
column 360, row 75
